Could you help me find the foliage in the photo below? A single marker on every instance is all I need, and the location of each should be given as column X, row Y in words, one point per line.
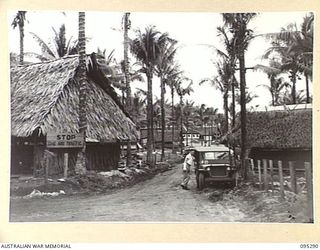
column 58, row 46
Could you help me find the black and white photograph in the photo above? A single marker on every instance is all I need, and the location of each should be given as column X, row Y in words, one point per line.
column 161, row 117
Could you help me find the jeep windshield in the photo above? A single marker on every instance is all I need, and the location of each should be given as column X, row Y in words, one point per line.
column 215, row 155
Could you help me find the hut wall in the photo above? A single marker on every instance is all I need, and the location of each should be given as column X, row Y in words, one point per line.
column 103, row 157
column 284, row 155
column 21, row 159
column 30, row 158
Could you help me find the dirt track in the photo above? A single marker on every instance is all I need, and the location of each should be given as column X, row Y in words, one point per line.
column 160, row 199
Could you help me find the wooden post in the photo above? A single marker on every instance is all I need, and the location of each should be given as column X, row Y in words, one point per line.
column 271, row 173
column 259, row 173
column 46, row 169
column 308, row 175
column 281, row 180
column 65, row 164
column 265, row 173
column 293, row 176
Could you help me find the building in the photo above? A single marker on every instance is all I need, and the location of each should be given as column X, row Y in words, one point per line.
column 284, row 135
column 44, row 98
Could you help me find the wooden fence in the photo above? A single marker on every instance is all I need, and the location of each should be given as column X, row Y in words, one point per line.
column 268, row 169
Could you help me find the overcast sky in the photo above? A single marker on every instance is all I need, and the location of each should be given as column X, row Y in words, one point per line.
column 195, row 32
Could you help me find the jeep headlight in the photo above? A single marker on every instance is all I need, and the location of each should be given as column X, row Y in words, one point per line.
column 228, row 168
column 208, row 168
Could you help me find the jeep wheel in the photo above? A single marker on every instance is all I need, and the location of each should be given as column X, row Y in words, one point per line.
column 201, row 181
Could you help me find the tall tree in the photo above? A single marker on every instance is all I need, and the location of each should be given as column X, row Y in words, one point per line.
column 81, row 158
column 163, row 70
column 58, row 47
column 19, row 20
column 277, row 83
column 126, row 27
column 238, row 25
column 172, row 81
column 146, row 48
column 229, row 56
column 295, row 47
column 182, row 91
column 222, row 82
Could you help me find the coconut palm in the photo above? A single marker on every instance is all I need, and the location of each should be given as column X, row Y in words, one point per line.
column 57, row 47
column 146, row 48
column 81, row 158
column 19, row 20
column 164, row 70
column 222, row 83
column 174, row 75
column 238, row 26
column 126, row 27
column 210, row 114
column 295, row 48
column 182, row 91
column 229, row 56
column 276, row 83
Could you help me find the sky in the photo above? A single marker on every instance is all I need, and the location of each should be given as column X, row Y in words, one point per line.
column 194, row 31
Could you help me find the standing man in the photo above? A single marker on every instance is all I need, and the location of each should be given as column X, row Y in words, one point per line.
column 187, row 165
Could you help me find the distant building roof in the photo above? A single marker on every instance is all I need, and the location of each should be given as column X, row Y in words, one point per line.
column 157, row 135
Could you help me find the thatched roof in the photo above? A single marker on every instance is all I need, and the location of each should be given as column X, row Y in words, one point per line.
column 290, row 129
column 44, row 97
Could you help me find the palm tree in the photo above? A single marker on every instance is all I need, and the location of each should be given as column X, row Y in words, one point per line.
column 181, row 91
column 210, row 114
column 229, row 56
column 173, row 77
column 126, row 27
column 222, row 83
column 146, row 48
column 238, row 26
column 295, row 47
column 164, row 70
column 81, row 158
column 276, row 83
column 62, row 46
column 187, row 112
column 19, row 20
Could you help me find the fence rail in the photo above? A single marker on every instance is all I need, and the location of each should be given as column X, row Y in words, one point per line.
column 266, row 170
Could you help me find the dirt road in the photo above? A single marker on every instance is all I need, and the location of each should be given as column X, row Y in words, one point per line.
column 159, row 199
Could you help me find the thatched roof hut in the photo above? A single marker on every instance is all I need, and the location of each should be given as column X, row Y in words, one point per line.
column 277, row 129
column 281, row 135
column 44, row 97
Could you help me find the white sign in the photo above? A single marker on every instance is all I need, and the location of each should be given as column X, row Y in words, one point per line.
column 65, row 140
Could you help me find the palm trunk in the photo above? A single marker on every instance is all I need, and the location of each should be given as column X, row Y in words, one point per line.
column 293, row 91
column 21, row 31
column 150, row 139
column 81, row 158
column 172, row 118
column 233, row 103
column 126, row 76
column 243, row 112
column 126, row 60
column 163, row 123
column 225, row 107
column 307, row 87
column 181, row 130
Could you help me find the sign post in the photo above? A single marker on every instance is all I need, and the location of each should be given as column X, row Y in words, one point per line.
column 65, row 140
column 57, row 140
